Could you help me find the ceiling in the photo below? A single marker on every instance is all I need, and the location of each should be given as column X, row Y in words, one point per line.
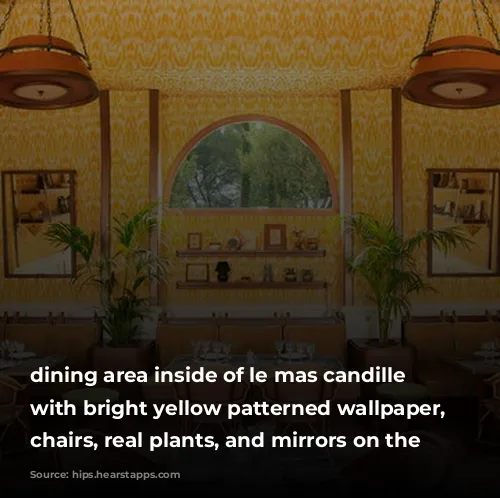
column 243, row 47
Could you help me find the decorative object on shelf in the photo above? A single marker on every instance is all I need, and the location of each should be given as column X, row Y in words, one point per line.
column 445, row 179
column 313, row 243
column 234, row 243
column 464, row 184
column 268, row 273
column 290, row 275
column 459, row 72
column 214, row 246
column 307, row 275
column 62, row 204
column 300, row 240
column 275, row 236
column 479, row 211
column 449, row 208
column 194, row 241
column 249, row 240
column 453, row 183
column 223, row 271
column 43, row 71
column 198, row 272
column 436, row 179
column 246, row 279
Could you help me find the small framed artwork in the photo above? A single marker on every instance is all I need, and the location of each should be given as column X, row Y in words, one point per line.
column 194, row 241
column 274, row 237
column 197, row 272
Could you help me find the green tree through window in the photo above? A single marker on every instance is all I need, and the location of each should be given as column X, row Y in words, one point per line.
column 251, row 165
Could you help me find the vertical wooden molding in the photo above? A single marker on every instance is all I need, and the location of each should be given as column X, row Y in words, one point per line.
column 105, row 123
column 154, row 178
column 397, row 158
column 346, row 192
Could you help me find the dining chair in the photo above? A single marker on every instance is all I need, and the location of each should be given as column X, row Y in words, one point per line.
column 219, row 392
column 489, row 408
column 301, row 393
column 77, row 461
column 11, row 407
column 413, row 471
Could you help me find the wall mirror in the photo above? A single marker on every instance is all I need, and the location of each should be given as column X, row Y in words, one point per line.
column 468, row 200
column 32, row 200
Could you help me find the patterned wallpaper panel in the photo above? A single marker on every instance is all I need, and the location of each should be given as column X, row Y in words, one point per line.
column 62, row 139
column 439, row 138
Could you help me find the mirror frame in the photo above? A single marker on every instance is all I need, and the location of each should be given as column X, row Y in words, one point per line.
column 430, row 208
column 72, row 212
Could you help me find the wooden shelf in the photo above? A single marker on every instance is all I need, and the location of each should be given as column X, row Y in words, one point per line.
column 252, row 285
column 258, row 253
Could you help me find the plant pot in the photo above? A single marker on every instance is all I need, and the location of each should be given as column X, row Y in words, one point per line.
column 366, row 353
column 133, row 358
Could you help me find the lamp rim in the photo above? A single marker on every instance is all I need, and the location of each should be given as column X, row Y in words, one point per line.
column 451, row 76
column 44, row 77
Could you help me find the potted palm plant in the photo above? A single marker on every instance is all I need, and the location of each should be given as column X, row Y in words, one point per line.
column 387, row 262
column 121, row 279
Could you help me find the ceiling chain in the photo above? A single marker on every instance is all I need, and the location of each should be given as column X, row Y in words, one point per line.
column 80, row 34
column 432, row 24
column 476, row 18
column 7, row 16
column 490, row 21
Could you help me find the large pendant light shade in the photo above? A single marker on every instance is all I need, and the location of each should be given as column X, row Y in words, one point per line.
column 43, row 71
column 460, row 72
column 34, row 78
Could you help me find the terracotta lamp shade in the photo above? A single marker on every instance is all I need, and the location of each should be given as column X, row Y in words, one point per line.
column 462, row 72
column 32, row 77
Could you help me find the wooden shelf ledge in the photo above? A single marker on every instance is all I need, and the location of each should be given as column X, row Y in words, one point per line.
column 217, row 253
column 318, row 284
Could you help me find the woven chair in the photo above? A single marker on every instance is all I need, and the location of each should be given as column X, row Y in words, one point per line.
column 412, row 471
column 11, row 407
column 490, row 407
column 211, row 393
column 301, row 393
column 78, row 461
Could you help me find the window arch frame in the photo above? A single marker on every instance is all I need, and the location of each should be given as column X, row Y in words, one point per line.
column 245, row 118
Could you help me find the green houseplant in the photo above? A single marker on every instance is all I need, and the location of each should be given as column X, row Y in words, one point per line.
column 387, row 261
column 121, row 278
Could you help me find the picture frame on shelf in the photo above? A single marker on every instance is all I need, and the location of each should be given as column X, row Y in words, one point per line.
column 197, row 272
column 194, row 241
column 274, row 237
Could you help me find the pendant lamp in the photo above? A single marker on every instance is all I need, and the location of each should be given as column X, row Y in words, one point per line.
column 460, row 72
column 45, row 72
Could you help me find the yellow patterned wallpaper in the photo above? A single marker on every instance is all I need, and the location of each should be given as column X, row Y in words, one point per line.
column 372, row 160
column 284, row 58
column 63, row 139
column 246, row 47
column 438, row 138
column 319, row 118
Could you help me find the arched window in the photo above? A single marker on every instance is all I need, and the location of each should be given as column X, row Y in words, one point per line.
column 254, row 164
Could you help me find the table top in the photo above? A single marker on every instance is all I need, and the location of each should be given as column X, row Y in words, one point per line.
column 91, row 394
column 24, row 368
column 476, row 365
column 259, row 361
column 403, row 390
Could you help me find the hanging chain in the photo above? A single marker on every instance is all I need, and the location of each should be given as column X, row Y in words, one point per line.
column 432, row 24
column 80, row 34
column 490, row 21
column 476, row 18
column 49, row 24
column 42, row 17
column 6, row 18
